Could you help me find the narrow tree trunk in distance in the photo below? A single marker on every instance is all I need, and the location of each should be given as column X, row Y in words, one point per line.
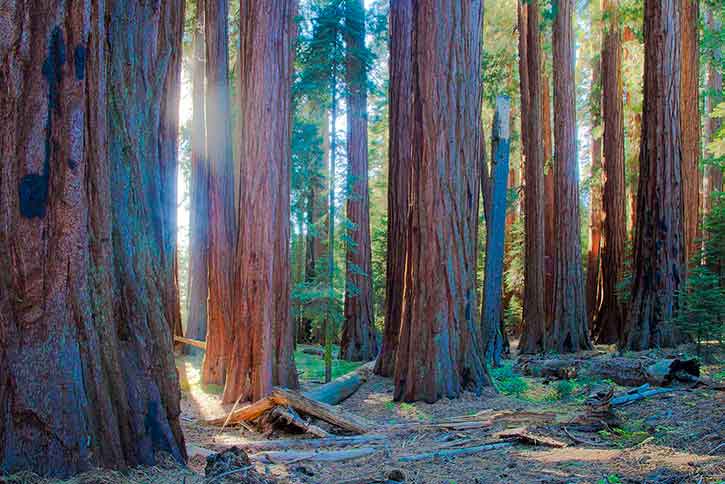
column 329, row 322
column 400, row 154
column 491, row 310
column 439, row 353
column 199, row 237
column 549, row 208
column 570, row 332
column 690, row 120
column 593, row 287
column 610, row 316
column 219, row 336
column 87, row 375
column 713, row 174
column 265, row 49
column 359, row 340
column 534, row 334
column 659, row 237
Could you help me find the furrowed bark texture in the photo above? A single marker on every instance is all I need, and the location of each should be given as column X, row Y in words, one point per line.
column 491, row 307
column 610, row 316
column 199, row 236
column 219, row 332
column 593, row 287
column 439, row 353
column 400, row 156
column 659, row 237
column 533, row 338
column 570, row 331
column 359, row 341
column 690, row 120
column 88, row 303
column 266, row 35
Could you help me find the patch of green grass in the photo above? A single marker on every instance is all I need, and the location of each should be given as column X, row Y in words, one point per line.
column 508, row 382
column 610, row 479
column 631, row 433
column 312, row 367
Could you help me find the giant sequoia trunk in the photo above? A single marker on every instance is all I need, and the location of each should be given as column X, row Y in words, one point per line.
column 400, row 153
column 610, row 316
column 534, row 333
column 439, row 352
column 570, row 331
column 221, row 193
column 659, row 237
column 259, row 303
column 495, row 193
column 690, row 121
column 593, row 287
column 359, row 340
column 199, row 237
column 87, row 232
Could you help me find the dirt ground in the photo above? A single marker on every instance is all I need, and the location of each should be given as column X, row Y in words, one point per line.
column 670, row 438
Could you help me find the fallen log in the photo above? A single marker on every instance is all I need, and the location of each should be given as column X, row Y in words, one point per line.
column 344, row 441
column 280, row 415
column 523, row 435
column 191, row 342
column 483, row 419
column 454, row 452
column 322, row 411
column 337, row 390
column 640, row 393
column 247, row 413
column 289, row 457
column 314, row 351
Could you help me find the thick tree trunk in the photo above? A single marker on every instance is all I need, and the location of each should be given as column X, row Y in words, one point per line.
column 659, row 237
column 534, row 334
column 593, row 281
column 266, row 46
column 400, row 154
column 713, row 174
column 549, row 207
column 439, row 352
column 87, row 232
column 491, row 307
column 199, row 237
column 219, row 335
column 570, row 330
column 359, row 340
column 690, row 121
column 610, row 316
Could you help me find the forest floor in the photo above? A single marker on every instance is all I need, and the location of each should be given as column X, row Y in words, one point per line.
column 676, row 437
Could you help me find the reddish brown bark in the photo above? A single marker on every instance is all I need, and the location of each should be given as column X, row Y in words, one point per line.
column 219, row 335
column 570, row 332
column 610, row 315
column 199, row 217
column 87, row 236
column 593, row 287
column 549, row 207
column 439, row 353
column 659, row 237
column 401, row 18
column 359, row 340
column 534, row 332
column 266, row 35
column 690, row 120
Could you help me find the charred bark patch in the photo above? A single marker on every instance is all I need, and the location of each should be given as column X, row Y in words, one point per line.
column 79, row 60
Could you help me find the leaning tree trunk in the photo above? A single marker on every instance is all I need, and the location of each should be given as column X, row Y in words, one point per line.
column 495, row 198
column 221, row 195
column 400, row 153
column 439, row 353
column 266, row 48
column 199, row 233
column 87, row 232
column 690, row 121
column 359, row 340
column 534, row 335
column 659, row 237
column 610, row 317
column 593, row 287
column 570, row 331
